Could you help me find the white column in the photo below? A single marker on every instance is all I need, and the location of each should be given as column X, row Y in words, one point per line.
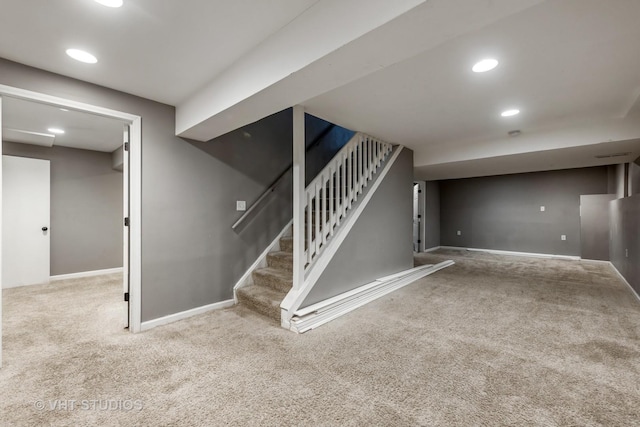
column 299, row 198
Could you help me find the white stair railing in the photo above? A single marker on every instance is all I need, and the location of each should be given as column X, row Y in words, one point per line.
column 330, row 196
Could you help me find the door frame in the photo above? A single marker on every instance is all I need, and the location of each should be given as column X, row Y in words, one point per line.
column 132, row 248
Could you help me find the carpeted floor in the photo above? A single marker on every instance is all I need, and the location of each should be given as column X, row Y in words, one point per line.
column 492, row 340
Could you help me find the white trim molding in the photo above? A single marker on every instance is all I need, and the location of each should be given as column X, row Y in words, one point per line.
column 81, row 274
column 318, row 314
column 150, row 324
column 433, row 249
column 498, row 252
column 261, row 261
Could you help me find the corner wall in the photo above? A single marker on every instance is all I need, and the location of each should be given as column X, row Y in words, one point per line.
column 624, row 240
column 86, row 207
column 190, row 255
column 504, row 212
column 380, row 243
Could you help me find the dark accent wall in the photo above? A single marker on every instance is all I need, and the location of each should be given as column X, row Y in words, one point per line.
column 432, row 215
column 625, row 238
column 380, row 243
column 503, row 212
column 190, row 255
column 86, row 207
column 594, row 226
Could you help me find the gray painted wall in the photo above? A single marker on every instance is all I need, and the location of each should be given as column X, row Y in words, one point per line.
column 432, row 215
column 190, row 255
column 634, row 177
column 625, row 238
column 380, row 242
column 594, row 226
column 86, row 207
column 503, row 212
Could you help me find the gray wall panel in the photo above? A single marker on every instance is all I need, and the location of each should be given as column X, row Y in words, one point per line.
column 380, row 242
column 86, row 207
column 625, row 238
column 594, row 226
column 432, row 215
column 503, row 212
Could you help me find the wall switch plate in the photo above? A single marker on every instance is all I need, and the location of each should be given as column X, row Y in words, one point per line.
column 563, row 237
column 459, row 233
column 626, row 253
column 241, row 205
column 542, row 208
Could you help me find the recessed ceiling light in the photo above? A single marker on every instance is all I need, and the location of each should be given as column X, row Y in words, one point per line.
column 82, row 56
column 487, row 64
column 57, row 131
column 110, row 3
column 510, row 113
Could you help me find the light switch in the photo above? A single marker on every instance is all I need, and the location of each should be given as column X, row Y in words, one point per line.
column 459, row 233
column 542, row 208
column 241, row 205
column 563, row 237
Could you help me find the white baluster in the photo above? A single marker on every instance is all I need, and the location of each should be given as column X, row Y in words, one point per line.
column 332, row 216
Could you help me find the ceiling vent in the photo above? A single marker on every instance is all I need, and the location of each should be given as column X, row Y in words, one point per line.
column 608, row 156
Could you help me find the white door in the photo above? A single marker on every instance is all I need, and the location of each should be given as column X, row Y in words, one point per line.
column 25, row 221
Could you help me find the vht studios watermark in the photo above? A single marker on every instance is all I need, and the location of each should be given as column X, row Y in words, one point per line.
column 89, row 405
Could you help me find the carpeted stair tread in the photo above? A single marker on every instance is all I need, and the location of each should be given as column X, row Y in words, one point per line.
column 273, row 278
column 262, row 299
column 280, row 260
column 286, row 244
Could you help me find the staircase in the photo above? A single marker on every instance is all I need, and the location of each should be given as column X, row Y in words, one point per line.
column 328, row 202
column 270, row 284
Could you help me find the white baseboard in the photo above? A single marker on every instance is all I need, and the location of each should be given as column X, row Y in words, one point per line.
column 150, row 324
column 86, row 274
column 527, row 254
column 433, row 249
column 320, row 313
column 633, row 291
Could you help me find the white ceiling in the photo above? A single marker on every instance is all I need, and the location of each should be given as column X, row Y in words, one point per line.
column 160, row 50
column 571, row 66
column 82, row 130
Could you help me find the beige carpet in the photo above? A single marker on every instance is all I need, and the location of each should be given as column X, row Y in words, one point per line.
column 492, row 340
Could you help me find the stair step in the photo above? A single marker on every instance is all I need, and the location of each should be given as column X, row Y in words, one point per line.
column 286, row 244
column 273, row 278
column 262, row 299
column 280, row 260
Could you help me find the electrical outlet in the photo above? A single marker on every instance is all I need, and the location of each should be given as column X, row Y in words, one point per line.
column 542, row 208
column 563, row 237
column 459, row 233
column 241, row 205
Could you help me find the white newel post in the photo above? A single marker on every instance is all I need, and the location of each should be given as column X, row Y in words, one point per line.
column 299, row 196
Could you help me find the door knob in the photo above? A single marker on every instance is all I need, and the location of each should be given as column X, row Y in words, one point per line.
column 45, row 228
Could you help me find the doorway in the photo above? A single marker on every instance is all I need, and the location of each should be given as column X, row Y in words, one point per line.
column 131, row 192
column 418, row 216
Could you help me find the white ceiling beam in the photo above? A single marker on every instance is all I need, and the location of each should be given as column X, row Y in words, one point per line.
column 320, row 30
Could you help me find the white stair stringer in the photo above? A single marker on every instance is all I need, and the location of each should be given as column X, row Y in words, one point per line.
column 296, row 297
column 318, row 314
